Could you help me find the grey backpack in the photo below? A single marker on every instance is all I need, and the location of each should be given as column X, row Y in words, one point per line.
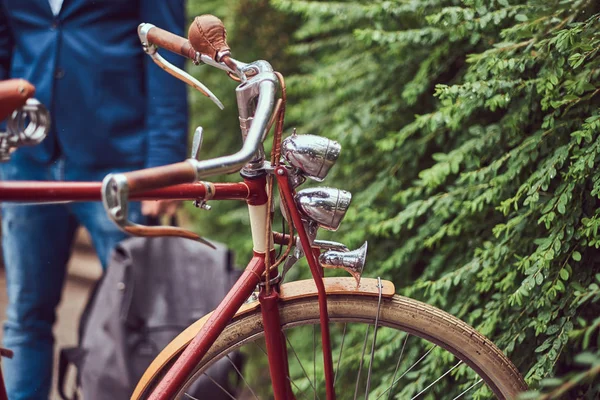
column 152, row 290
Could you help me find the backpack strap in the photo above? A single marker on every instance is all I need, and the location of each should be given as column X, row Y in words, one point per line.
column 69, row 356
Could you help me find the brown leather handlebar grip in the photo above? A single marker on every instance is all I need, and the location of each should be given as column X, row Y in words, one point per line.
column 159, row 177
column 14, row 94
column 172, row 42
column 208, row 36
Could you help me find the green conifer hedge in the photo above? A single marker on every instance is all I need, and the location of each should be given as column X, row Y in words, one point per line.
column 470, row 133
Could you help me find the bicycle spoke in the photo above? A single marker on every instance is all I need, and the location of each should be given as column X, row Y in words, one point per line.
column 397, row 366
column 289, row 377
column 437, row 380
column 300, row 392
column 260, row 347
column 241, row 376
column 337, row 368
column 469, row 388
column 380, row 286
column 360, row 364
column 219, row 386
column 302, row 367
column 408, row 370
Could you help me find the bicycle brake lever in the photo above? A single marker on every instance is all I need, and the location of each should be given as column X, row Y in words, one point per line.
column 154, row 231
column 185, row 77
column 115, row 195
column 152, row 50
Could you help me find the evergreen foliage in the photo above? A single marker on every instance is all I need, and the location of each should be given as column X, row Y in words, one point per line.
column 470, row 133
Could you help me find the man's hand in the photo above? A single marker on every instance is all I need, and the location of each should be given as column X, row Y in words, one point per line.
column 156, row 208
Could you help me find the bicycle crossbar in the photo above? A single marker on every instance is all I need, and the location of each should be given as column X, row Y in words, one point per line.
column 48, row 192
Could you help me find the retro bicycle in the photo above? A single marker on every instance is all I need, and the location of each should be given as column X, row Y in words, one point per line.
column 296, row 335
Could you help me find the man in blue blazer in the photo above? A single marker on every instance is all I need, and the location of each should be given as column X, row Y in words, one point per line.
column 113, row 110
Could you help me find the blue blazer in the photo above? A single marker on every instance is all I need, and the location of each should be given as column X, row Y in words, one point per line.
column 111, row 105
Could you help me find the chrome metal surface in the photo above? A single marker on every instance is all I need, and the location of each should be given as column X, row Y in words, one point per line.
column 26, row 126
column 197, row 142
column 259, row 90
column 152, row 50
column 209, row 61
column 437, row 380
column 247, row 95
column 263, row 86
column 185, row 77
column 373, row 343
column 115, row 191
column 296, row 179
column 272, row 281
column 143, row 29
column 253, row 297
column 202, row 204
column 330, row 245
column 391, row 387
column 313, row 155
column 424, row 356
column 351, row 261
column 326, row 206
column 298, row 252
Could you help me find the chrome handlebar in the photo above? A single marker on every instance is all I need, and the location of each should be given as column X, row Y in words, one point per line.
column 255, row 98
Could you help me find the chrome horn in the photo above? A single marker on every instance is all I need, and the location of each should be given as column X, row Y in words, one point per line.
column 326, row 206
column 313, row 155
column 351, row 261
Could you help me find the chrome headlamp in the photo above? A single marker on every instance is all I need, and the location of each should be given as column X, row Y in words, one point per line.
column 313, row 155
column 326, row 206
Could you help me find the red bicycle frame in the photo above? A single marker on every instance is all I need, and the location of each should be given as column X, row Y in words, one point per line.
column 253, row 191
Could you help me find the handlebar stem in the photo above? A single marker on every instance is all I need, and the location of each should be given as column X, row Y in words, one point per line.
column 256, row 99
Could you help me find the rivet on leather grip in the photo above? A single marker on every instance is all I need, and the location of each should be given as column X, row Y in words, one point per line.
column 208, row 36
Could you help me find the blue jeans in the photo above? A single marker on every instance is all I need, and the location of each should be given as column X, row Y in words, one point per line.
column 36, row 241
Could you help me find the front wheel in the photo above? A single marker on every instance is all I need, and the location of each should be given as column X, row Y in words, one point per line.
column 417, row 351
